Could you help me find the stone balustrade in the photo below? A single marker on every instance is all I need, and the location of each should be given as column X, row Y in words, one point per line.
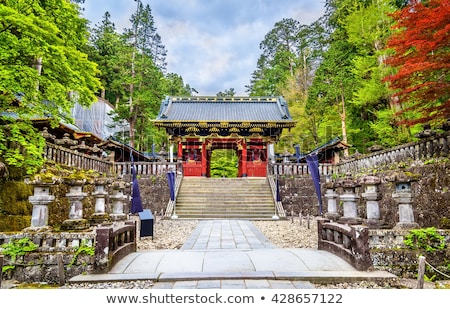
column 348, row 242
column 426, row 148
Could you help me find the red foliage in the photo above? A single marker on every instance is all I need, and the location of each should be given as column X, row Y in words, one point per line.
column 421, row 57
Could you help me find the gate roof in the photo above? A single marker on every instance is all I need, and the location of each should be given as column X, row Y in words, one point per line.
column 228, row 109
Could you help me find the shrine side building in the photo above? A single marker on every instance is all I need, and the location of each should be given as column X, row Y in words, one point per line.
column 248, row 125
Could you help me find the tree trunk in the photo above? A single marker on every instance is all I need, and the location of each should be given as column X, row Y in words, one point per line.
column 343, row 123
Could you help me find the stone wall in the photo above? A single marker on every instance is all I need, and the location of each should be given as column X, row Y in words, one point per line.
column 430, row 188
column 55, row 259
column 154, row 191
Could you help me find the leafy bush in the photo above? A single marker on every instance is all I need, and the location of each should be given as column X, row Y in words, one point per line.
column 16, row 248
column 427, row 239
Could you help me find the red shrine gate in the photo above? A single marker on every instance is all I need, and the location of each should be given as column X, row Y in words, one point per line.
column 196, row 154
column 247, row 125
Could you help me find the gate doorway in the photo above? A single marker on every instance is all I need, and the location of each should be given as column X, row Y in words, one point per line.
column 224, row 163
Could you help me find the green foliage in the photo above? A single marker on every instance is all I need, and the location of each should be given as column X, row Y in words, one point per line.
column 224, row 163
column 16, row 248
column 43, row 72
column 427, row 239
column 21, row 146
column 84, row 248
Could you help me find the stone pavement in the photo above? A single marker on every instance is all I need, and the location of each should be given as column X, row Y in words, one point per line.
column 233, row 254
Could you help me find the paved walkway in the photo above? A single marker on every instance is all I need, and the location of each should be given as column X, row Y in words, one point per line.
column 233, row 254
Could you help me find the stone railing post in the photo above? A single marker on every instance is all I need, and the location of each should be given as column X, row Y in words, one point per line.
column 102, row 246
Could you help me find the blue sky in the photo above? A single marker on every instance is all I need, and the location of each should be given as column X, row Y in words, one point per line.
column 212, row 44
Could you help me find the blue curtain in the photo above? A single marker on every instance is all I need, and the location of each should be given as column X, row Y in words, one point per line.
column 313, row 165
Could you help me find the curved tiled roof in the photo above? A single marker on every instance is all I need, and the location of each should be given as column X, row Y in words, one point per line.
column 230, row 109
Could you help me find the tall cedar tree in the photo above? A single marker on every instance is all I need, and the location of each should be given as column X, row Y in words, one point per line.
column 421, row 82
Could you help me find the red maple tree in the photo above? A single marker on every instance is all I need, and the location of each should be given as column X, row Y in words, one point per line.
column 421, row 60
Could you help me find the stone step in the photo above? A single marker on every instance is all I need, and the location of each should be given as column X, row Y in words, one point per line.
column 200, row 197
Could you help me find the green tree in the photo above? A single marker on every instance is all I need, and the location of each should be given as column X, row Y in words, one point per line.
column 42, row 73
column 142, row 85
column 105, row 48
column 226, row 93
column 175, row 86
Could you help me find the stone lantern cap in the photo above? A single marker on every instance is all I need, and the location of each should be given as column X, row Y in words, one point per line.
column 402, row 177
column 119, row 184
column 370, row 180
column 348, row 182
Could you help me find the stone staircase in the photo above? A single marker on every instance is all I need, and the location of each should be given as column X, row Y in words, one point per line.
column 225, row 198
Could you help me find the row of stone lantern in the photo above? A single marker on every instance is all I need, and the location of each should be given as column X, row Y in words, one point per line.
column 42, row 197
column 372, row 196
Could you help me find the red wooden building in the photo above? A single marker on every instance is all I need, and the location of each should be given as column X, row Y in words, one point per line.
column 199, row 125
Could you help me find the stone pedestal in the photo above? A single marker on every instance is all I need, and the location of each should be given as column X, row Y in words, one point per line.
column 350, row 202
column 371, row 195
column 75, row 196
column 118, row 199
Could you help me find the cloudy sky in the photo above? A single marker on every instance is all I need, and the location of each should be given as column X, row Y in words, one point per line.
column 212, row 44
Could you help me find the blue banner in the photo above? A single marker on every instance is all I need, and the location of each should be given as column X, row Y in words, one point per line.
column 136, row 202
column 171, row 181
column 278, row 197
column 297, row 152
column 313, row 165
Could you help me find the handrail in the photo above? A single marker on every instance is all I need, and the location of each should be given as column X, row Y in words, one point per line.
column 278, row 204
column 171, row 205
column 112, row 244
column 348, row 242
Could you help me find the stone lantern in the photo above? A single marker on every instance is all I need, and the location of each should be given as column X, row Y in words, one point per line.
column 404, row 197
column 118, row 199
column 331, row 196
column 286, row 155
column 75, row 197
column 40, row 200
column 372, row 195
column 349, row 200
column 100, row 194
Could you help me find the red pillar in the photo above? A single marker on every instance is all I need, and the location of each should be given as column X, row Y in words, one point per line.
column 180, row 150
column 244, row 159
column 204, row 160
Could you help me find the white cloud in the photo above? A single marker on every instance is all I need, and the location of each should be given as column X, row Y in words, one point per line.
column 212, row 44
